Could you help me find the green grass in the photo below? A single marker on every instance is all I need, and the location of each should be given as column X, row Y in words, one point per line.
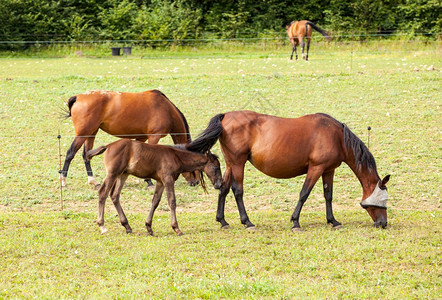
column 62, row 255
column 392, row 87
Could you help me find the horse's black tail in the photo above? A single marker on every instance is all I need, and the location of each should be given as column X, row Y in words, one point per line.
column 206, row 139
column 315, row 27
column 66, row 113
column 93, row 152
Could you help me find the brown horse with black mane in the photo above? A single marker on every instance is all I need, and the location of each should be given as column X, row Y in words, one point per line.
column 300, row 30
column 288, row 147
column 162, row 163
column 142, row 116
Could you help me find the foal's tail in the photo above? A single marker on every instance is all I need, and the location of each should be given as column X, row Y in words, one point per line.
column 93, row 152
column 315, row 27
column 206, row 139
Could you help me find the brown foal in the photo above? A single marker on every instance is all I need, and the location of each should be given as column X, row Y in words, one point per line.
column 163, row 163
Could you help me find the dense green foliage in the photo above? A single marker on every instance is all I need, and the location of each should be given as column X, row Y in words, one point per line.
column 69, row 20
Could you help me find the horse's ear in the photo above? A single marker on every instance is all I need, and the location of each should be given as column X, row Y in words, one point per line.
column 385, row 180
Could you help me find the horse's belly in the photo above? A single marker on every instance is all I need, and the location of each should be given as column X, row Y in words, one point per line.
column 279, row 167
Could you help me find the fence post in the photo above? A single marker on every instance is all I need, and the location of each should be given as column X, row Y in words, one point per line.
column 59, row 172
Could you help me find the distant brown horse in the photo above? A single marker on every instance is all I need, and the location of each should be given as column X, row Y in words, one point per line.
column 300, row 30
column 162, row 163
column 142, row 116
column 284, row 148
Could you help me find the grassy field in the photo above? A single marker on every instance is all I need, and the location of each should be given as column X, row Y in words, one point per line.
column 52, row 253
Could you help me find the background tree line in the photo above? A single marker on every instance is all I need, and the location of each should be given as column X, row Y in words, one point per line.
column 77, row 20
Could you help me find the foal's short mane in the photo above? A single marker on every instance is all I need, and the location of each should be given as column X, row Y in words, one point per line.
column 363, row 157
column 183, row 118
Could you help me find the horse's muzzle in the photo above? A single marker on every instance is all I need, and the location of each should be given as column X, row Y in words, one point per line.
column 218, row 184
column 381, row 222
column 194, row 183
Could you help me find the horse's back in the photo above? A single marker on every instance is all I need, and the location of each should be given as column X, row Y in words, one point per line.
column 281, row 147
column 297, row 29
column 121, row 113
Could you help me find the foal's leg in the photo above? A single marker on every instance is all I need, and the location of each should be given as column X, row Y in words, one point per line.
column 73, row 149
column 159, row 188
column 170, row 190
column 327, row 182
column 115, row 196
column 238, row 191
column 312, row 177
column 104, row 191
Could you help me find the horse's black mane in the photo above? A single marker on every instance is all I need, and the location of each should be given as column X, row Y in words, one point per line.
column 363, row 156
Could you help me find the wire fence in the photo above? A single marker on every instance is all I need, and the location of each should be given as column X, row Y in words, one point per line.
column 55, row 39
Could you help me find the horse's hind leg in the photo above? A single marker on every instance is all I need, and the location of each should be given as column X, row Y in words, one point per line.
column 296, row 52
column 223, row 191
column 115, row 196
column 88, row 145
column 159, row 188
column 302, row 42
column 327, row 183
column 238, row 192
column 104, row 191
column 308, row 47
column 73, row 149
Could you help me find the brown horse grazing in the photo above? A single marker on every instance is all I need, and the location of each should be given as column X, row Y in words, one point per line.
column 284, row 148
column 162, row 163
column 300, row 30
column 142, row 116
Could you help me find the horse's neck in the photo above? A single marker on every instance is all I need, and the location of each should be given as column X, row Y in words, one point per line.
column 367, row 177
column 181, row 136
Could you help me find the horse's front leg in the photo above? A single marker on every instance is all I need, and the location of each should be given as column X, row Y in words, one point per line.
column 73, row 149
column 327, row 183
column 312, row 177
column 159, row 188
column 170, row 190
column 88, row 145
column 238, row 192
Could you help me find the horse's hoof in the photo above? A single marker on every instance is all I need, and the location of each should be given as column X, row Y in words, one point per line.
column 225, row 227
column 338, row 226
column 179, row 233
column 103, row 229
column 251, row 228
column 297, row 229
